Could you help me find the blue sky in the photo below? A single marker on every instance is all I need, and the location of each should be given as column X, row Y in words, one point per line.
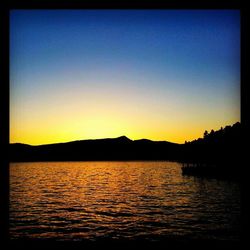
column 181, row 68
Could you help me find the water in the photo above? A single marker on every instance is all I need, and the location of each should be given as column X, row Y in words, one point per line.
column 119, row 200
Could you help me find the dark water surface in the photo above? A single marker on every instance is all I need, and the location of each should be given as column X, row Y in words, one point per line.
column 119, row 200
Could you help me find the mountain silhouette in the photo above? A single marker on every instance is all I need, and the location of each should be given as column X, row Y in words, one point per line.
column 221, row 149
column 120, row 148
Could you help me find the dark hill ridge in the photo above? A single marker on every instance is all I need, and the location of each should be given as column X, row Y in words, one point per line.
column 120, row 148
column 222, row 147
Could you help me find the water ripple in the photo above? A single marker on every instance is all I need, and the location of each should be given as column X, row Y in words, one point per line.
column 129, row 200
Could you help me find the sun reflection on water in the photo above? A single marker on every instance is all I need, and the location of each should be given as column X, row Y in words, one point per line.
column 91, row 200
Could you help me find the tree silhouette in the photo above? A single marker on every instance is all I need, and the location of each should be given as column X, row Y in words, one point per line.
column 205, row 134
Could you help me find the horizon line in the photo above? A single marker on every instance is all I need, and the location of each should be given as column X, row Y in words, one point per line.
column 106, row 138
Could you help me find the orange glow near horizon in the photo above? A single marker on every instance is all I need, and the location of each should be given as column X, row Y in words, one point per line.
column 158, row 75
column 54, row 126
column 63, row 117
column 66, row 115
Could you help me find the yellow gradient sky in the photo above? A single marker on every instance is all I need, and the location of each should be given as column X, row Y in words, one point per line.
column 160, row 75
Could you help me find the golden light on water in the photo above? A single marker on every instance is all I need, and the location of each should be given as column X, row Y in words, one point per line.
column 91, row 200
column 100, row 190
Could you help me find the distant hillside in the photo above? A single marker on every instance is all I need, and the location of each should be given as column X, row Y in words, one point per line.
column 218, row 155
column 222, row 146
column 222, row 136
column 121, row 148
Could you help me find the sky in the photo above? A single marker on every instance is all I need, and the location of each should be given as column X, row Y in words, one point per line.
column 165, row 75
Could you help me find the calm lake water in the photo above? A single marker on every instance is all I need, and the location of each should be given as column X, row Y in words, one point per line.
column 119, row 200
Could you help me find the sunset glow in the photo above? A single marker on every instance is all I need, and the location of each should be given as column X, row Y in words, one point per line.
column 160, row 75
